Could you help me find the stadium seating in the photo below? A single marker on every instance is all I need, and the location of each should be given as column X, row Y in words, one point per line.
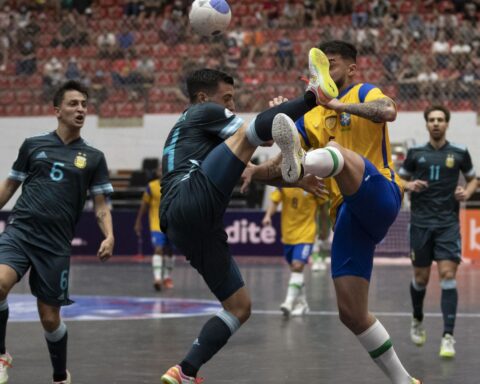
column 108, row 15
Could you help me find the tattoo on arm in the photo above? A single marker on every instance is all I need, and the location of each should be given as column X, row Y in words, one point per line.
column 273, row 171
column 377, row 111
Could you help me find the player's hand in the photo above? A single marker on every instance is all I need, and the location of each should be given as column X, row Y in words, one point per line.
column 246, row 177
column 417, row 185
column 277, row 101
column 106, row 249
column 267, row 221
column 461, row 194
column 313, row 184
column 334, row 104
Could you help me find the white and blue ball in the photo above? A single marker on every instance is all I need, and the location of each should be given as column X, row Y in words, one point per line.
column 210, row 17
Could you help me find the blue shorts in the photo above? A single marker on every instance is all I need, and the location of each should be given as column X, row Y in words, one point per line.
column 362, row 222
column 297, row 252
column 159, row 239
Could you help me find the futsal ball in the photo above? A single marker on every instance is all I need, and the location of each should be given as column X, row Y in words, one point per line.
column 210, row 17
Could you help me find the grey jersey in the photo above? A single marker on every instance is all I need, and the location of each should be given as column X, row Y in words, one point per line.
column 200, row 129
column 436, row 206
column 56, row 178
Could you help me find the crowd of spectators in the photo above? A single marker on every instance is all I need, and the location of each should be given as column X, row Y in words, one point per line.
column 142, row 50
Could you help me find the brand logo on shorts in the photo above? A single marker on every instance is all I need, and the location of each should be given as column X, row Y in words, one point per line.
column 80, row 161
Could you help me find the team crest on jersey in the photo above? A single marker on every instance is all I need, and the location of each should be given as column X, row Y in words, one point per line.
column 345, row 119
column 80, row 161
column 330, row 122
column 450, row 161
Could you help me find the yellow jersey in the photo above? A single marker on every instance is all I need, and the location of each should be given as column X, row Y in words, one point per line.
column 299, row 214
column 363, row 136
column 152, row 196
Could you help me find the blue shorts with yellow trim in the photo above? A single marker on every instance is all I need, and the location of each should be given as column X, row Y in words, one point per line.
column 362, row 222
column 159, row 239
column 297, row 252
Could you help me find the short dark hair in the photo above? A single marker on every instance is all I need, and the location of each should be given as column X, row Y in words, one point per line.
column 70, row 85
column 338, row 47
column 441, row 108
column 206, row 80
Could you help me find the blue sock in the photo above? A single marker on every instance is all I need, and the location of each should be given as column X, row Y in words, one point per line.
column 57, row 346
column 3, row 324
column 449, row 302
column 260, row 130
column 417, row 292
column 213, row 336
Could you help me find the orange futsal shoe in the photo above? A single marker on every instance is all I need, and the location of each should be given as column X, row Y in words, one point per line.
column 175, row 376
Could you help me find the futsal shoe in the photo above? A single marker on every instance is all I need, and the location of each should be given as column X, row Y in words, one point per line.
column 417, row 333
column 168, row 283
column 286, row 307
column 175, row 376
column 301, row 308
column 320, row 81
column 285, row 134
column 157, row 285
column 5, row 363
column 68, row 380
column 447, row 349
column 416, row 381
column 319, row 265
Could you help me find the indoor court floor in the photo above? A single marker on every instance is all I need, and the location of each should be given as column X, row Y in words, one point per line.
column 121, row 331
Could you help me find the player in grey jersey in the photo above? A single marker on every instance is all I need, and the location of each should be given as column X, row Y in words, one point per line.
column 432, row 171
column 57, row 170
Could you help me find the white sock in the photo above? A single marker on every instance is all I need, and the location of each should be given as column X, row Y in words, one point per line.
column 324, row 162
column 376, row 341
column 169, row 264
column 157, row 265
column 295, row 286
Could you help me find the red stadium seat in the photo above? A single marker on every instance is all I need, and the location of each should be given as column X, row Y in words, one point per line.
column 7, row 97
column 107, row 109
column 24, row 97
column 14, row 110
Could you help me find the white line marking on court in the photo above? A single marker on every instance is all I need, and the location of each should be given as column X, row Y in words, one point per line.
column 385, row 314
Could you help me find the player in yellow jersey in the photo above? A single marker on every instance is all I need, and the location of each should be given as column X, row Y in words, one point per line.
column 298, row 226
column 162, row 259
column 350, row 135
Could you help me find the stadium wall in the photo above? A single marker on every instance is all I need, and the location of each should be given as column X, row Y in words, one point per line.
column 126, row 147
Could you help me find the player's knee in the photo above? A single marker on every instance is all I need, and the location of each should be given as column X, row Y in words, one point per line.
column 4, row 289
column 420, row 282
column 297, row 266
column 243, row 311
column 50, row 321
column 352, row 320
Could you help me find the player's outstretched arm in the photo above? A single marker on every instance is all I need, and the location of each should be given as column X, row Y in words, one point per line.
column 7, row 189
column 378, row 111
column 270, row 173
column 104, row 220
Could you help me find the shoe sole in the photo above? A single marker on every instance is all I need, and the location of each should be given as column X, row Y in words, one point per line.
column 167, row 380
column 284, row 133
column 319, row 67
column 447, row 355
